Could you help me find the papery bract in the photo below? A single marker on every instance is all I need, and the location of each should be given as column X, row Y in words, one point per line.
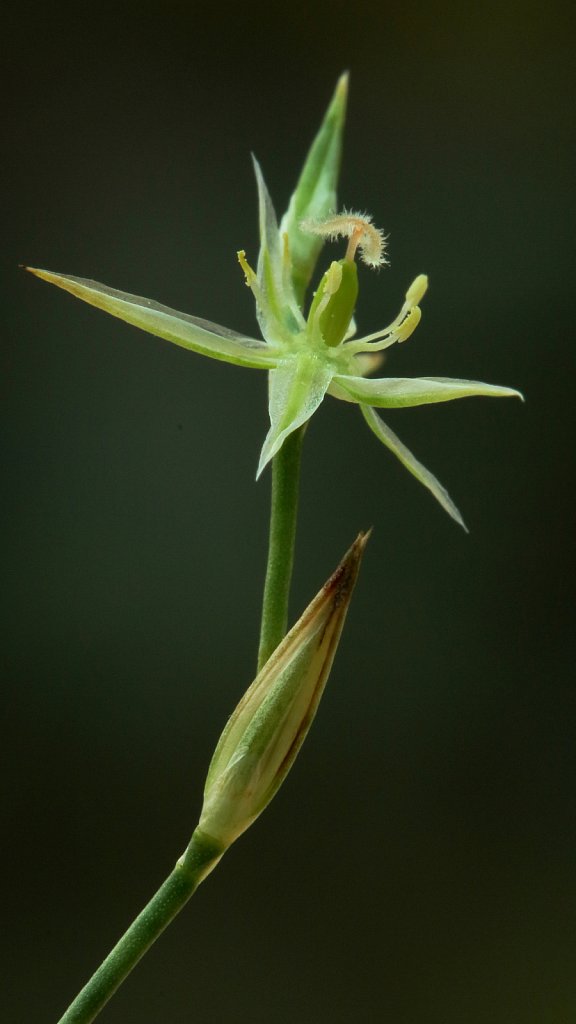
column 265, row 732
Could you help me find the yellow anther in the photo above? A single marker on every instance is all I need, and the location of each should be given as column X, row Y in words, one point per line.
column 249, row 274
column 333, row 279
column 417, row 290
column 409, row 323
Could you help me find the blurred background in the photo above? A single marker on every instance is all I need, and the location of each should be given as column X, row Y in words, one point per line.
column 419, row 864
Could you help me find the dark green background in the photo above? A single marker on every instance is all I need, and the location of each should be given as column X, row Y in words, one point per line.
column 420, row 863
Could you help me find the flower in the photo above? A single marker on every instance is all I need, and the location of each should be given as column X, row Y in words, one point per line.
column 307, row 356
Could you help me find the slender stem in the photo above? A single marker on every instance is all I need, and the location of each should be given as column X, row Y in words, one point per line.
column 199, row 859
column 202, row 854
column 283, row 514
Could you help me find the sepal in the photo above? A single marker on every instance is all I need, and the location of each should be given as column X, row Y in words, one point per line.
column 278, row 313
column 411, row 463
column 315, row 194
column 399, row 392
column 296, row 388
column 189, row 332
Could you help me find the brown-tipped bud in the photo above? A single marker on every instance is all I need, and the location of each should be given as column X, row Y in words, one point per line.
column 265, row 732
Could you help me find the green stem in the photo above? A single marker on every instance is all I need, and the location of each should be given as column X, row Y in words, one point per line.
column 202, row 854
column 200, row 857
column 283, row 513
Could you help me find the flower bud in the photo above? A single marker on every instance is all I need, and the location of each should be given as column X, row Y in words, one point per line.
column 265, row 732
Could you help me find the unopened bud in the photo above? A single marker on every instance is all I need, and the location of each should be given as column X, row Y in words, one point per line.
column 265, row 732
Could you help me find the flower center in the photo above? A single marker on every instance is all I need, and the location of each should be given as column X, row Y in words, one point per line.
column 358, row 227
column 334, row 302
column 335, row 299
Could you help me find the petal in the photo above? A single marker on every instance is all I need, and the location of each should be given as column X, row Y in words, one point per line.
column 187, row 331
column 270, row 255
column 389, row 438
column 267, row 221
column 273, row 271
column 297, row 387
column 396, row 392
column 315, row 195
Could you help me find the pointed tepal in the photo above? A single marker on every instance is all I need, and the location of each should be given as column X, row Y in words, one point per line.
column 191, row 332
column 315, row 194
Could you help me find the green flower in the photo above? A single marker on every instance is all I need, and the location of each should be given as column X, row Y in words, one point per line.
column 308, row 354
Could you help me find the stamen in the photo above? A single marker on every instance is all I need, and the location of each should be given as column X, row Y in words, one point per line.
column 358, row 228
column 401, row 328
column 285, row 251
column 332, row 282
column 249, row 274
column 409, row 324
column 251, row 278
column 333, row 279
column 286, row 264
column 417, row 290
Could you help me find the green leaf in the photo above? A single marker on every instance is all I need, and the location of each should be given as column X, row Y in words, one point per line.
column 398, row 392
column 189, row 332
column 411, row 463
column 315, row 195
column 297, row 387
